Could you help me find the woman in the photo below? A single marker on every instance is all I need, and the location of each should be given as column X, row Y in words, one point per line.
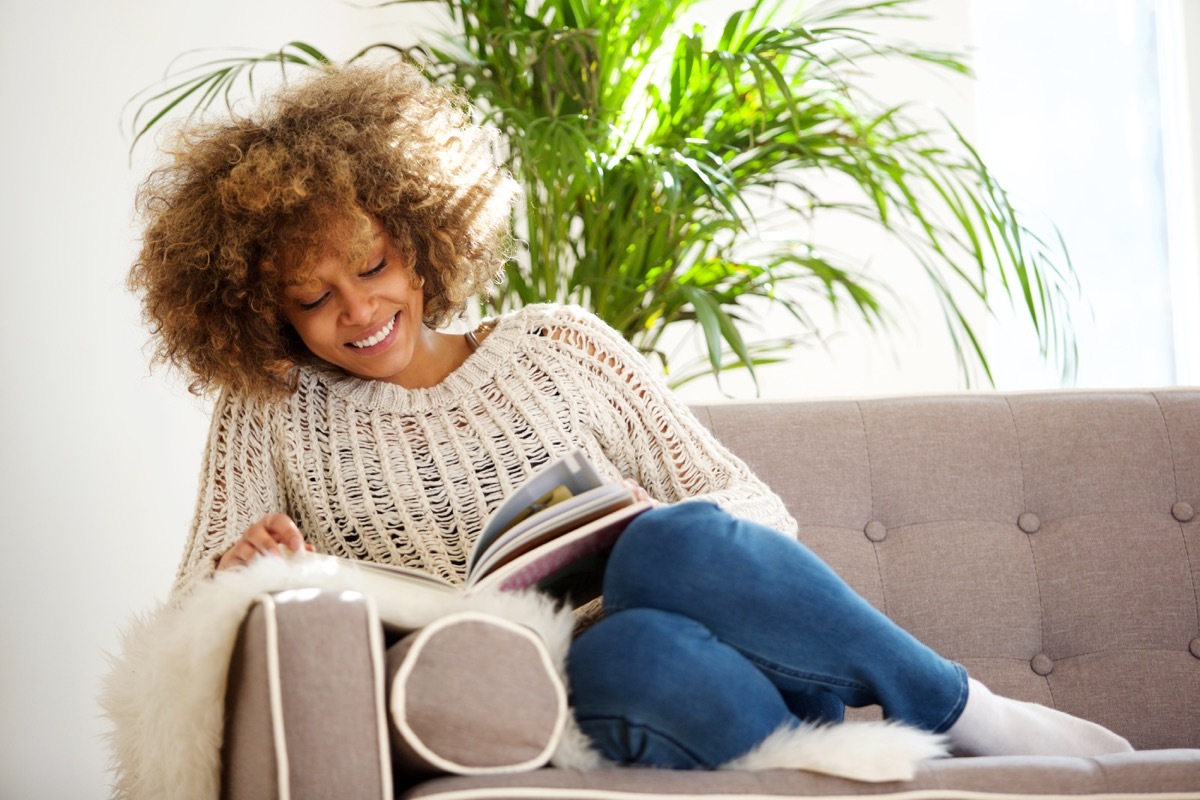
column 302, row 260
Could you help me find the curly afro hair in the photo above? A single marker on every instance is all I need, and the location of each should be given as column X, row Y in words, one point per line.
column 241, row 206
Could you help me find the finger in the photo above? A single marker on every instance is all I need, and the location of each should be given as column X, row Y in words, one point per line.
column 639, row 491
column 284, row 530
column 267, row 536
column 260, row 540
column 238, row 555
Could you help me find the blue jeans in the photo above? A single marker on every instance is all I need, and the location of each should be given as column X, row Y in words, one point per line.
column 719, row 631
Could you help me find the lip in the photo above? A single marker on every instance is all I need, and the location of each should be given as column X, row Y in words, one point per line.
column 378, row 346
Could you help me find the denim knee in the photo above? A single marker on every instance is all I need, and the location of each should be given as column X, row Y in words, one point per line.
column 664, row 543
column 654, row 688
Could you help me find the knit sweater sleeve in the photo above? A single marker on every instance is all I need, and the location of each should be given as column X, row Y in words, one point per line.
column 238, row 486
column 652, row 436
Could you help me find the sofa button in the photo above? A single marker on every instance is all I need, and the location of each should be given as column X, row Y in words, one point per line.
column 1182, row 511
column 876, row 531
column 1029, row 522
column 1194, row 647
column 1042, row 664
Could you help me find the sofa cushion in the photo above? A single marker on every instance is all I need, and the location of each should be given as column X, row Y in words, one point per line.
column 1162, row 774
column 472, row 694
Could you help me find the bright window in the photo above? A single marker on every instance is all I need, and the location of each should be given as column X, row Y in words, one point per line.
column 1077, row 118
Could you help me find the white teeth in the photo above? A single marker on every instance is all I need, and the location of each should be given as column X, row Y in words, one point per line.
column 378, row 337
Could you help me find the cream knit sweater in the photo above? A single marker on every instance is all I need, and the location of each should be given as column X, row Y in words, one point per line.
column 373, row 471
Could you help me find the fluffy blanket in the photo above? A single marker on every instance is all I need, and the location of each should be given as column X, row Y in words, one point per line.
column 164, row 694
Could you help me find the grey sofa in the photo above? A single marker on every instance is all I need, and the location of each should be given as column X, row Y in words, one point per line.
column 1049, row 542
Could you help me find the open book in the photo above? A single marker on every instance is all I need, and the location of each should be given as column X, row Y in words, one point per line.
column 554, row 533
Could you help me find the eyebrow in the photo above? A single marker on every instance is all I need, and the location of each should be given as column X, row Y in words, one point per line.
column 296, row 283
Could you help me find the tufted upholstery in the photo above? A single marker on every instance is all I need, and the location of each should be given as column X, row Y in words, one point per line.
column 1046, row 541
column 1049, row 542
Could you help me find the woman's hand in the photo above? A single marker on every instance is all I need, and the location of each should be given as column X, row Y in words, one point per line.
column 639, row 491
column 271, row 534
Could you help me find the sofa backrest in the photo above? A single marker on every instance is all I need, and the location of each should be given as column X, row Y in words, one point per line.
column 1049, row 542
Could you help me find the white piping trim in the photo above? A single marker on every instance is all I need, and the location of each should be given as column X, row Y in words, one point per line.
column 375, row 637
column 543, row 793
column 275, row 693
column 400, row 718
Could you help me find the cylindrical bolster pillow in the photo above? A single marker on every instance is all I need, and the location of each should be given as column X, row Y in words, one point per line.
column 471, row 694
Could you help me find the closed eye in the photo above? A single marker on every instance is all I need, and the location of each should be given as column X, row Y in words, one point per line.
column 315, row 303
column 320, row 301
column 374, row 271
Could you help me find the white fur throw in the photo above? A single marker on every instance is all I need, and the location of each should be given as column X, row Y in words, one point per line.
column 164, row 695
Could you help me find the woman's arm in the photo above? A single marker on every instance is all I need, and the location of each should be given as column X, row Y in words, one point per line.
column 650, row 435
column 239, row 489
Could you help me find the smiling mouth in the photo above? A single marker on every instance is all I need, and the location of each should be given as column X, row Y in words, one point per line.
column 378, row 336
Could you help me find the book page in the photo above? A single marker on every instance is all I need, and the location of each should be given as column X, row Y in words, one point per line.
column 376, row 572
column 574, row 471
column 551, row 522
column 562, row 556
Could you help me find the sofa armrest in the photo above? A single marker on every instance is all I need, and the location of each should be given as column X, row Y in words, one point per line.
column 305, row 714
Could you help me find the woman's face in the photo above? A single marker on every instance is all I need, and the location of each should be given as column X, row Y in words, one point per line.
column 365, row 318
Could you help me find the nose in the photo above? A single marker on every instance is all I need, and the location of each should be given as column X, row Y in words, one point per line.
column 358, row 306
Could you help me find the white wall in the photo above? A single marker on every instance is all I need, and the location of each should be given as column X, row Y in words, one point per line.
column 100, row 457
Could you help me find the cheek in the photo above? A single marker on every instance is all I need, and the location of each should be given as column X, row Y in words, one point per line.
column 305, row 329
column 415, row 288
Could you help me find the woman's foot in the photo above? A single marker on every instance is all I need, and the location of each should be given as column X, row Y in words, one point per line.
column 992, row 725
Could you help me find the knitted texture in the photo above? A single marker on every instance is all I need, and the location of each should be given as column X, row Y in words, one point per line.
column 372, row 471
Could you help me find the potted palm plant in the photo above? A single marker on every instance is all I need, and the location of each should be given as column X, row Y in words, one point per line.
column 652, row 156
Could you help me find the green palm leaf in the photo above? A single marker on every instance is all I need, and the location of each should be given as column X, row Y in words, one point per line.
column 654, row 158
